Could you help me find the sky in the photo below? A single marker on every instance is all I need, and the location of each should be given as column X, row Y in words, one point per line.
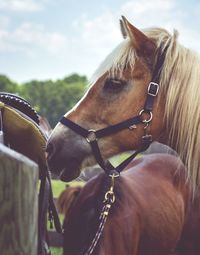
column 50, row 39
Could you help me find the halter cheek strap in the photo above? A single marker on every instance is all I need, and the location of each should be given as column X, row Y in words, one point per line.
column 144, row 117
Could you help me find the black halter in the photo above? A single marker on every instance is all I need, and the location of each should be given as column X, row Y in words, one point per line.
column 144, row 117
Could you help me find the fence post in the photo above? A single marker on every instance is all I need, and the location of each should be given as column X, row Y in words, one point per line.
column 18, row 204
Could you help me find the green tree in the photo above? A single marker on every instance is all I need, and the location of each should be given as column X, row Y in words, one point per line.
column 50, row 99
column 6, row 85
column 53, row 99
column 74, row 78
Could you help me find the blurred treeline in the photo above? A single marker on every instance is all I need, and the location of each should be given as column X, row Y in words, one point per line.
column 50, row 99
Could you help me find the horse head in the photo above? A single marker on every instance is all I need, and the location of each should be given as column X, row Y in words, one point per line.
column 118, row 92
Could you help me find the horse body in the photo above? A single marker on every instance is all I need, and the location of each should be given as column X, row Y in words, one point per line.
column 147, row 217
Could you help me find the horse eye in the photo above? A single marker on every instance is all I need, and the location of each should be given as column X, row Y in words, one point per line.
column 114, row 85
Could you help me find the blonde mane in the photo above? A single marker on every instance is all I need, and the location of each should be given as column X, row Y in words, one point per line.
column 179, row 85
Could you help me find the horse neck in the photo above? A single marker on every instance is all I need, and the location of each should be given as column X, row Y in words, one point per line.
column 180, row 82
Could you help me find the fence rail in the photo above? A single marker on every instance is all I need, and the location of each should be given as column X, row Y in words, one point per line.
column 18, row 203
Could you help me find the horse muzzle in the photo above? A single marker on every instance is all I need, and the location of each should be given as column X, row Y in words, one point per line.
column 66, row 152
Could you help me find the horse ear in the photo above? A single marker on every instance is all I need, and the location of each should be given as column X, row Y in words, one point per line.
column 140, row 41
column 123, row 29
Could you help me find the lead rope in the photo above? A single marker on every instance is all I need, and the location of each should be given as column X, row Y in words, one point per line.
column 109, row 199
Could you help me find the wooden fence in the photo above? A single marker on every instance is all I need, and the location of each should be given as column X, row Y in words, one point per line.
column 18, row 204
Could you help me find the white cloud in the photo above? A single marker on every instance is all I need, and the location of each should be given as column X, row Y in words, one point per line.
column 31, row 38
column 21, row 5
column 101, row 31
column 146, row 6
column 99, row 35
column 92, row 37
column 4, row 21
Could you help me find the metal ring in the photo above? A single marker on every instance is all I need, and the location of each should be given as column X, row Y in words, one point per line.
column 114, row 174
column 91, row 136
column 150, row 117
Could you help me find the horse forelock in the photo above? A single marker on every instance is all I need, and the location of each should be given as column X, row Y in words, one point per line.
column 125, row 55
column 122, row 56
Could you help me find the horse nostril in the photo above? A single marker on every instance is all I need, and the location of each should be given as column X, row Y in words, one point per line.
column 50, row 149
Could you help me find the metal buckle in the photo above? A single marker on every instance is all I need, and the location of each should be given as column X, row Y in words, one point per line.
column 153, row 89
column 91, row 136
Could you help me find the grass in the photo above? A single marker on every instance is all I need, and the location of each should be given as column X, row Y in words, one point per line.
column 116, row 160
column 56, row 251
column 59, row 186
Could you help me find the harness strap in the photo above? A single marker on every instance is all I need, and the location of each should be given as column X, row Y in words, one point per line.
column 104, row 164
column 125, row 163
column 151, row 94
column 101, row 132
column 118, row 127
column 53, row 213
column 76, row 128
column 43, row 248
column 153, row 89
column 159, row 64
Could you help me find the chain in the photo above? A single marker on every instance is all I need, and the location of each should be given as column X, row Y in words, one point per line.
column 109, row 199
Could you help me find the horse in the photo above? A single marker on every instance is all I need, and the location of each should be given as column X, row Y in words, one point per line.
column 117, row 92
column 66, row 199
column 148, row 216
column 148, row 64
